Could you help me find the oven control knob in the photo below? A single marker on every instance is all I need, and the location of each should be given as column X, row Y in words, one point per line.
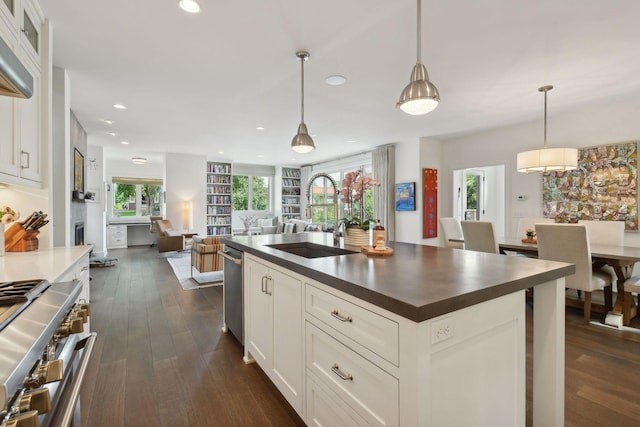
column 47, row 372
column 72, row 325
column 36, row 400
column 81, row 313
column 25, row 419
column 85, row 306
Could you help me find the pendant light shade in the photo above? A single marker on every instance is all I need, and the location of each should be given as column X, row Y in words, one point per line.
column 547, row 159
column 302, row 142
column 420, row 96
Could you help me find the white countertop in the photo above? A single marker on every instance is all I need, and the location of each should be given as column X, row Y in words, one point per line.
column 46, row 263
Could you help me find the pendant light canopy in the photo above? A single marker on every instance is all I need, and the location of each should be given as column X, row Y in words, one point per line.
column 420, row 96
column 547, row 159
column 302, row 142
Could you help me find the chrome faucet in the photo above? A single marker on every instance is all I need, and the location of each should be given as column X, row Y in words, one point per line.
column 336, row 233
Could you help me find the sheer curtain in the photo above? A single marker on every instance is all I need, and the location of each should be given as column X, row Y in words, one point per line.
column 383, row 161
column 305, row 174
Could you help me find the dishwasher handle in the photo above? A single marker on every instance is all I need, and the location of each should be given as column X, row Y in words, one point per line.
column 230, row 258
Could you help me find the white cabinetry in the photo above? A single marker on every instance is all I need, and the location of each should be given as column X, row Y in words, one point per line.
column 21, row 119
column 117, row 237
column 79, row 271
column 273, row 313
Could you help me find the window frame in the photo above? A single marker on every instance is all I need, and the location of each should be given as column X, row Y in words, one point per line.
column 250, row 193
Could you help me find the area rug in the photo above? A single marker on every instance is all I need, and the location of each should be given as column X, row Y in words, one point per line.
column 181, row 265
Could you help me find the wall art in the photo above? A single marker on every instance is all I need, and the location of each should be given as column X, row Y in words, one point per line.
column 603, row 188
column 430, row 203
column 406, row 196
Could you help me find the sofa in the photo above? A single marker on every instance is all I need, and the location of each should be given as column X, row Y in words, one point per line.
column 290, row 226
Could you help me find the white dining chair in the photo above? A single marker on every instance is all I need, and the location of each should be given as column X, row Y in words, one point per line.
column 452, row 230
column 479, row 236
column 570, row 243
column 610, row 233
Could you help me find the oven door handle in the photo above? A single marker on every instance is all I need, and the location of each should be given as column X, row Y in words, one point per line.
column 87, row 344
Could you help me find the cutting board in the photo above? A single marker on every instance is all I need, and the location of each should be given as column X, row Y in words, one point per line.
column 370, row 251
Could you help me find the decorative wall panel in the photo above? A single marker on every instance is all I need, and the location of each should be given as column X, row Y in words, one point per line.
column 430, row 203
column 604, row 187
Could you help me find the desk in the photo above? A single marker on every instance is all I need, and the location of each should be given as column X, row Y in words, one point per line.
column 124, row 234
column 620, row 258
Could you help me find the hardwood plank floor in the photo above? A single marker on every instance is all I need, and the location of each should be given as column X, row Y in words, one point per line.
column 161, row 359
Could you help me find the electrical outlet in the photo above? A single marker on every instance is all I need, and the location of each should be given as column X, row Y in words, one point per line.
column 442, row 330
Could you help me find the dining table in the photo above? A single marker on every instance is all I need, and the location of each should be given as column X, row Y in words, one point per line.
column 620, row 258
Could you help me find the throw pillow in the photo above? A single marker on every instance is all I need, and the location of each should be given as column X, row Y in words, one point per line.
column 289, row 228
column 265, row 222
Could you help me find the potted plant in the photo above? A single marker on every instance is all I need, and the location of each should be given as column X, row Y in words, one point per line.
column 355, row 225
column 530, row 236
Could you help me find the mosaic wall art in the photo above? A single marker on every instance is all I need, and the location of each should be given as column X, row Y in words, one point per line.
column 430, row 200
column 603, row 188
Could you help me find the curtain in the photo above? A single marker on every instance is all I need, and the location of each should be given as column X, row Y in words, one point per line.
column 383, row 161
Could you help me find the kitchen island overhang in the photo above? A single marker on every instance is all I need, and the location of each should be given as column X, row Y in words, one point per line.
column 418, row 282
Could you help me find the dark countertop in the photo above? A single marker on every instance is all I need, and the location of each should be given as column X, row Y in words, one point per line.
column 417, row 282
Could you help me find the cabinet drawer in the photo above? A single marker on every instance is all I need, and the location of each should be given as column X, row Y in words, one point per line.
column 373, row 331
column 115, row 229
column 325, row 409
column 371, row 392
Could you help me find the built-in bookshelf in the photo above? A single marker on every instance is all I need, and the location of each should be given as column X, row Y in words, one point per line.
column 290, row 193
column 218, row 199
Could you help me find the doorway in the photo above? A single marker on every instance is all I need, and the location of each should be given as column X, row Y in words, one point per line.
column 479, row 194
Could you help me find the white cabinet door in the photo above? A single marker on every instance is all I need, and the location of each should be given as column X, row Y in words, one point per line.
column 274, row 327
column 9, row 151
column 30, row 128
column 258, row 314
column 288, row 365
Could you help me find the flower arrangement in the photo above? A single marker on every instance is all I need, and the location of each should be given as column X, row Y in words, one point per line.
column 354, row 187
column 8, row 215
column 530, row 233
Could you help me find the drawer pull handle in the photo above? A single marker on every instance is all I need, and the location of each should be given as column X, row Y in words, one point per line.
column 266, row 289
column 263, row 286
column 336, row 370
column 340, row 317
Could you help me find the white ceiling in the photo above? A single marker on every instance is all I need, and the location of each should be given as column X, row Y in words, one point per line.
column 202, row 83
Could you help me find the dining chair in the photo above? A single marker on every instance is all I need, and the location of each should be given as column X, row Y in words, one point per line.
column 570, row 243
column 610, row 233
column 631, row 286
column 479, row 236
column 452, row 230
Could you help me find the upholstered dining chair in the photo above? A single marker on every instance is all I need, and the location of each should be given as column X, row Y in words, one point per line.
column 631, row 286
column 479, row 236
column 452, row 230
column 609, row 233
column 570, row 243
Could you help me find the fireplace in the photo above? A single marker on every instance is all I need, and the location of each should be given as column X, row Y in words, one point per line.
column 79, row 233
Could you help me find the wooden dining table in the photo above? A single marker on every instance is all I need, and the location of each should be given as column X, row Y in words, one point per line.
column 620, row 258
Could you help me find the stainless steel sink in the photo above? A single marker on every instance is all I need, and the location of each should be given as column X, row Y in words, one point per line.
column 310, row 250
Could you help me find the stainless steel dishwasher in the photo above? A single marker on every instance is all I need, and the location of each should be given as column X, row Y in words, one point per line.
column 233, row 292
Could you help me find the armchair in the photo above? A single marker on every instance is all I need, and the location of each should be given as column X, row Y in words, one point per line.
column 169, row 239
column 204, row 255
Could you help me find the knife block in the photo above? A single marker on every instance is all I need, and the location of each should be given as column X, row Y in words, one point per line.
column 17, row 239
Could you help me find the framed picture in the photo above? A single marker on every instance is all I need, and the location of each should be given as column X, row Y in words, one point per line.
column 78, row 171
column 406, row 196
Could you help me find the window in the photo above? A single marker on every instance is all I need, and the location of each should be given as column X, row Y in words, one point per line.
column 251, row 193
column 136, row 197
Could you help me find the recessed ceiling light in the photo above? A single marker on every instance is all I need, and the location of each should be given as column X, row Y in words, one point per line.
column 335, row 80
column 139, row 160
column 260, row 155
column 220, row 152
column 190, row 6
column 109, row 122
column 260, row 128
column 119, row 106
column 124, row 142
column 111, row 133
column 351, row 141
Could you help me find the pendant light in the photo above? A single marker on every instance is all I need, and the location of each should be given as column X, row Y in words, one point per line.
column 547, row 159
column 302, row 142
column 420, row 96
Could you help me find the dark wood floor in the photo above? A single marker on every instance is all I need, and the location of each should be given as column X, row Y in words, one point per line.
column 161, row 359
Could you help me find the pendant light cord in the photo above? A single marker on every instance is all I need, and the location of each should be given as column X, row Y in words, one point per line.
column 302, row 90
column 546, row 89
column 419, row 16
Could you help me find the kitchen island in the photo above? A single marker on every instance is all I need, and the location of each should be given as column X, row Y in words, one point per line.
column 427, row 337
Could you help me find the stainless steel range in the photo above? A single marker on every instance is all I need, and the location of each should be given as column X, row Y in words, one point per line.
column 44, row 352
